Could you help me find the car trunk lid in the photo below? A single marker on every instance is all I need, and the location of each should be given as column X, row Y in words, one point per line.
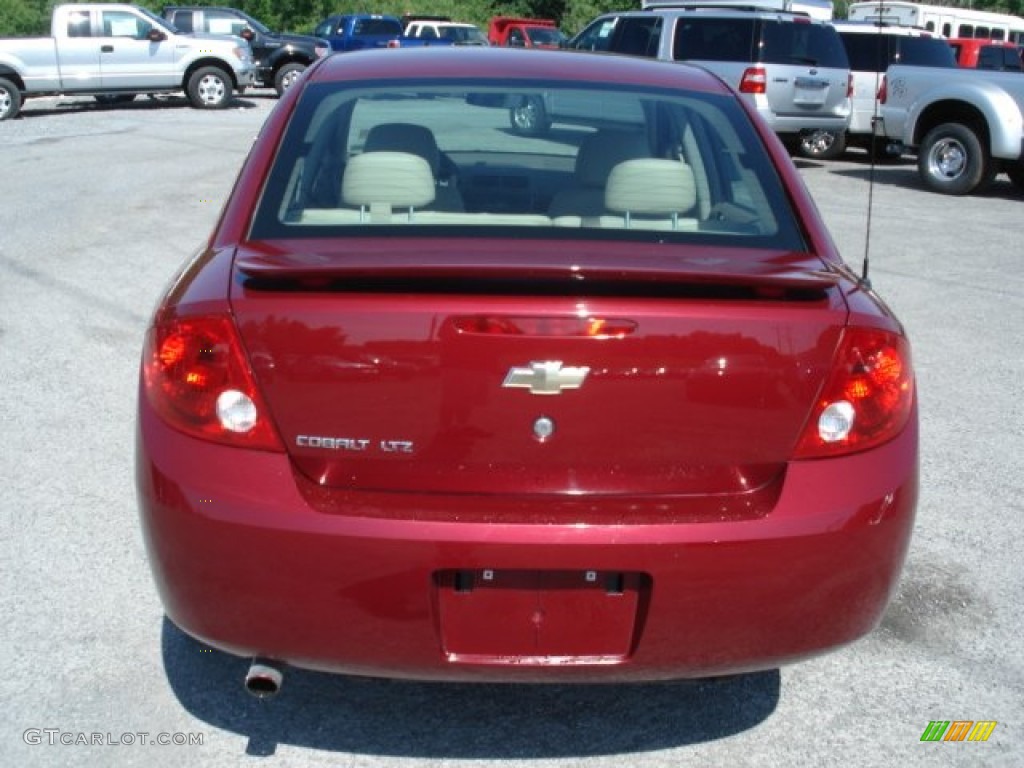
column 403, row 369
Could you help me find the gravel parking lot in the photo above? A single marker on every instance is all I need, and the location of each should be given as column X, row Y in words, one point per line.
column 98, row 208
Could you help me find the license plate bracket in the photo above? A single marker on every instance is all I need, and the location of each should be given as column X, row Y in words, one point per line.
column 543, row 616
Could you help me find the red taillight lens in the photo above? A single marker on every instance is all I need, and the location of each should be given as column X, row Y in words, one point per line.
column 849, row 86
column 867, row 399
column 883, row 91
column 197, row 379
column 754, row 80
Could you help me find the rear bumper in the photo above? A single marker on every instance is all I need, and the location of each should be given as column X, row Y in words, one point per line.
column 797, row 125
column 243, row 563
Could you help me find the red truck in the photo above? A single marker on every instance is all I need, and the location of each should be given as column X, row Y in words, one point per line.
column 986, row 54
column 524, row 33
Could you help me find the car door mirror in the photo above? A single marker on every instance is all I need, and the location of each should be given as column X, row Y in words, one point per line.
column 156, row 35
column 247, row 34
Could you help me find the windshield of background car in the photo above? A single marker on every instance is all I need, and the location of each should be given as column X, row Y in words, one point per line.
column 545, row 36
column 507, row 159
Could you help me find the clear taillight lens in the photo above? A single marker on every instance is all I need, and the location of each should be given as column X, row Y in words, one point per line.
column 867, row 399
column 196, row 377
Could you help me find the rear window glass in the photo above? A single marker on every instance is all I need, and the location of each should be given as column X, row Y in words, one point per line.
column 420, row 159
column 869, row 52
column 817, row 45
column 376, row 27
column 924, row 52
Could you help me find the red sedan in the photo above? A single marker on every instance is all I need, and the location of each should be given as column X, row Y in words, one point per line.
column 442, row 401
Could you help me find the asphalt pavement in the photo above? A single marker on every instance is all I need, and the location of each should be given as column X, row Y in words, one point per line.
column 98, row 209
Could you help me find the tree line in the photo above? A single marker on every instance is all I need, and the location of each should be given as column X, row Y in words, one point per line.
column 32, row 17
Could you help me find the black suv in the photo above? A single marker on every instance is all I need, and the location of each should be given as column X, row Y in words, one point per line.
column 279, row 58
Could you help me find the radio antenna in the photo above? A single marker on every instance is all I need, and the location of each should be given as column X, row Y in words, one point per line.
column 874, row 146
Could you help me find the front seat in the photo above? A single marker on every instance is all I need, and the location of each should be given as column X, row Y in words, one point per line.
column 598, row 154
column 419, row 140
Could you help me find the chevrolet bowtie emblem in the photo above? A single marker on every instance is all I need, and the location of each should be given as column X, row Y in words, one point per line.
column 546, row 377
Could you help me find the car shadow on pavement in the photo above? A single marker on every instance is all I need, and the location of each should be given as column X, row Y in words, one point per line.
column 460, row 720
column 895, row 172
column 142, row 103
column 906, row 177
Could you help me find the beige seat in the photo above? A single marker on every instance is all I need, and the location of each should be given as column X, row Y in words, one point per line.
column 651, row 193
column 598, row 154
column 382, row 184
column 419, row 140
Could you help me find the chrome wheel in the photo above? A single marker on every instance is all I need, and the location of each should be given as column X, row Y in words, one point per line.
column 822, row 144
column 947, row 159
column 954, row 161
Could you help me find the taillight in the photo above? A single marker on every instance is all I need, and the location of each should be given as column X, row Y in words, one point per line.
column 883, row 91
column 849, row 86
column 755, row 80
column 196, row 377
column 867, row 398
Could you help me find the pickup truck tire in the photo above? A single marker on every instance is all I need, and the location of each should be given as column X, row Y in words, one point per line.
column 209, row 88
column 529, row 117
column 287, row 75
column 953, row 161
column 10, row 99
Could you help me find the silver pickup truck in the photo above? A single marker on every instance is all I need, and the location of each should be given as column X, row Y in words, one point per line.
column 966, row 125
column 115, row 51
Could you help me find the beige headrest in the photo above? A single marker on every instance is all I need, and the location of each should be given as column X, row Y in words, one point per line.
column 397, row 179
column 405, row 137
column 650, row 187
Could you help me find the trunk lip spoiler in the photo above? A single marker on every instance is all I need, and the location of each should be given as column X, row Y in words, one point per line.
column 772, row 268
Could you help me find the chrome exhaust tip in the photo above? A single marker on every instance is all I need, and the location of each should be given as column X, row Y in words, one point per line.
column 264, row 678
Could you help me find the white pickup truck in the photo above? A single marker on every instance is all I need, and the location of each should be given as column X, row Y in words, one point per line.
column 115, row 51
column 966, row 125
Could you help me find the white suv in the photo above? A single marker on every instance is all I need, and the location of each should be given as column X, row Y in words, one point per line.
column 791, row 67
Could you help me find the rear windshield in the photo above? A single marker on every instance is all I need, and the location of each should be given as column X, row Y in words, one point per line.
column 817, row 45
column 870, row 52
column 765, row 41
column 377, row 27
column 423, row 159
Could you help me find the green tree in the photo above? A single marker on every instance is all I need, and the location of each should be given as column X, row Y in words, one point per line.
column 24, row 17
